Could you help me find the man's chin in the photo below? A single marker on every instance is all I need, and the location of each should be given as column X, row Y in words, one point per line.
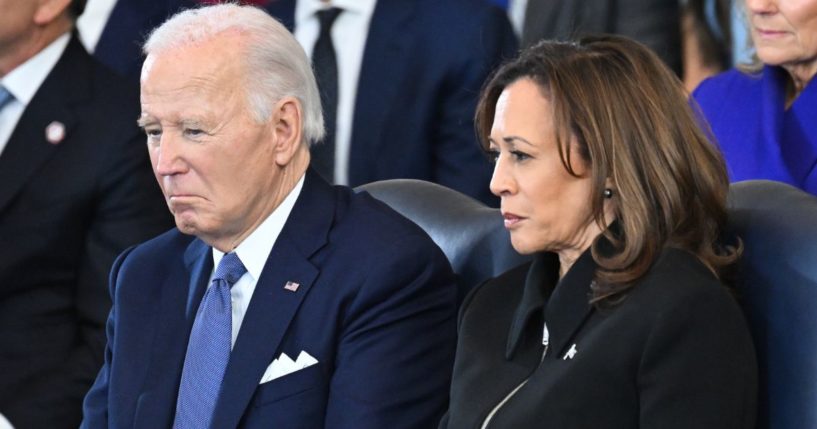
column 186, row 224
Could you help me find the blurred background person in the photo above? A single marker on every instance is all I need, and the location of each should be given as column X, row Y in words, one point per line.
column 75, row 190
column 622, row 319
column 399, row 81
column 763, row 115
column 115, row 29
column 655, row 23
column 706, row 31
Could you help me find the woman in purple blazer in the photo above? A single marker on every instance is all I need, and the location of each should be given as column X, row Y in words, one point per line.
column 765, row 118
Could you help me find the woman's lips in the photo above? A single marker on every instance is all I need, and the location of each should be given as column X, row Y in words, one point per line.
column 769, row 34
column 511, row 219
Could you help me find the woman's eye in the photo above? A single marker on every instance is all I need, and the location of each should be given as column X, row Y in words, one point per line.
column 493, row 155
column 519, row 156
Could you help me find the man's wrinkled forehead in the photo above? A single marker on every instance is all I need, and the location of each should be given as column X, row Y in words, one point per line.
column 207, row 67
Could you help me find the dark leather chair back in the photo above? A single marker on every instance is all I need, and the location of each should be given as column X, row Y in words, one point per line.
column 777, row 282
column 778, row 288
column 471, row 234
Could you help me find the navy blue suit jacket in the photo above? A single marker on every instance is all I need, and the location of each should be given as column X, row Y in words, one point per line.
column 129, row 24
column 423, row 66
column 375, row 306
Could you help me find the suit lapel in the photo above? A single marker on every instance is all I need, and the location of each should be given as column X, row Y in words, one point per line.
column 566, row 308
column 179, row 304
column 272, row 308
column 28, row 149
column 569, row 307
column 526, row 328
column 388, row 45
column 797, row 131
column 772, row 104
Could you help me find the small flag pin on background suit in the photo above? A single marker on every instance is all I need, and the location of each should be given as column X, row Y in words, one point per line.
column 292, row 286
column 55, row 132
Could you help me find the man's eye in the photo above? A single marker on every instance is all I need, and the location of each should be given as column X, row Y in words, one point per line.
column 193, row 132
column 153, row 133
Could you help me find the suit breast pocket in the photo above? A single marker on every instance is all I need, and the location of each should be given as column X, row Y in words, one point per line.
column 310, row 378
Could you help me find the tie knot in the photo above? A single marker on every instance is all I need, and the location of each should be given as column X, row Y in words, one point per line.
column 230, row 269
column 5, row 97
column 327, row 17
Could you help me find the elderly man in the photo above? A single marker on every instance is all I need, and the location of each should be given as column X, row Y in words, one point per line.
column 75, row 191
column 325, row 308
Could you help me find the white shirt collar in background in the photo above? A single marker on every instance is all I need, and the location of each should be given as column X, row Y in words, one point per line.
column 24, row 81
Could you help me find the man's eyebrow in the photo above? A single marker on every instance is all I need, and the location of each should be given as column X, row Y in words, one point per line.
column 193, row 122
column 144, row 121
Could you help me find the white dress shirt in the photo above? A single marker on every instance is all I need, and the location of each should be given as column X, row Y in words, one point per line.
column 23, row 82
column 516, row 14
column 349, row 33
column 92, row 22
column 253, row 253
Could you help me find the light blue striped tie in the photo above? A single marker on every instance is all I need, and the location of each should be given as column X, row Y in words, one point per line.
column 5, row 97
column 208, row 349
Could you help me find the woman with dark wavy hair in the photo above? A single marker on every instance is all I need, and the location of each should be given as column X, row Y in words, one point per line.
column 622, row 319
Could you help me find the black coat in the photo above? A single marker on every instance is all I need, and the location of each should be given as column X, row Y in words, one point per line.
column 66, row 211
column 676, row 353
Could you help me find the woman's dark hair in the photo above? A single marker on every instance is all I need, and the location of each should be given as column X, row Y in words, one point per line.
column 629, row 118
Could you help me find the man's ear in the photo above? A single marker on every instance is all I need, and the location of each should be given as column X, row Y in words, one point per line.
column 49, row 10
column 286, row 128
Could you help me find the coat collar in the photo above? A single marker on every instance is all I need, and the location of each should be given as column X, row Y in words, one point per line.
column 792, row 125
column 564, row 305
column 539, row 283
column 773, row 100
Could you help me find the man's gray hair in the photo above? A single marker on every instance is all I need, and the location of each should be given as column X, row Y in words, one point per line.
column 276, row 64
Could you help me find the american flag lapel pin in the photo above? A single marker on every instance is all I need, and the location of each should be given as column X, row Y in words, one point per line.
column 292, row 286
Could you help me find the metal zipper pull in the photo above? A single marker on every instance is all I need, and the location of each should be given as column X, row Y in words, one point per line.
column 545, row 342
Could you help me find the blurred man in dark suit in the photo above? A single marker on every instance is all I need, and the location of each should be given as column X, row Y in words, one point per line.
column 405, row 88
column 75, row 190
column 655, row 23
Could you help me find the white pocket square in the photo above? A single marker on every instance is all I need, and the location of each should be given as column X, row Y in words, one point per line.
column 285, row 365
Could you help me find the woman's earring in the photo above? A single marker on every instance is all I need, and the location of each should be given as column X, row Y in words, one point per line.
column 608, row 193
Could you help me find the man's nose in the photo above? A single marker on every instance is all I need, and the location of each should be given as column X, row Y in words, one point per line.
column 169, row 160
